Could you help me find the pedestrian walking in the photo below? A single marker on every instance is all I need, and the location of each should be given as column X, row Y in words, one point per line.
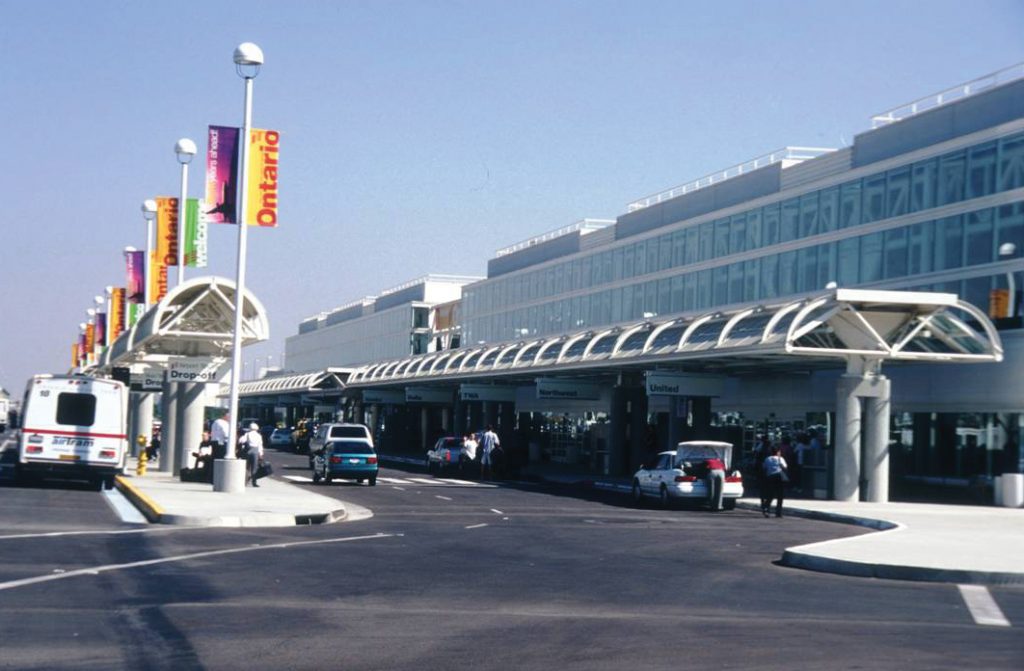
column 252, row 444
column 219, row 436
column 489, row 444
column 776, row 478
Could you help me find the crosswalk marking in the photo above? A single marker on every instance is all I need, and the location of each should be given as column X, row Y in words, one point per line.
column 431, row 482
column 983, row 607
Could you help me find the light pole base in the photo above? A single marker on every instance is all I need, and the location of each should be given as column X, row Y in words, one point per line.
column 229, row 476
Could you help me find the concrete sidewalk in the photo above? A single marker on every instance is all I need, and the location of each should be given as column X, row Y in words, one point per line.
column 164, row 499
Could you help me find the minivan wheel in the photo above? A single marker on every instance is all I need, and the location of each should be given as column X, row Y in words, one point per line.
column 664, row 499
column 373, row 480
column 638, row 496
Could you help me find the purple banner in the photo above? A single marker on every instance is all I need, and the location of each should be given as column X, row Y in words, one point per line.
column 136, row 274
column 101, row 330
column 222, row 175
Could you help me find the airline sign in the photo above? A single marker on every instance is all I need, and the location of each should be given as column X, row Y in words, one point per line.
column 684, row 384
column 486, row 392
column 427, row 395
column 384, row 396
column 567, row 390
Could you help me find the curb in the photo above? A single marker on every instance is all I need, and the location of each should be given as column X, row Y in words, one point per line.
column 147, row 506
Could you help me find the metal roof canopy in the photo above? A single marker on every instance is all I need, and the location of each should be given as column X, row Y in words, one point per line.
column 329, row 380
column 861, row 326
column 195, row 319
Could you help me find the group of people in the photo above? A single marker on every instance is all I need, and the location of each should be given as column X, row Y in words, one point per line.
column 491, row 453
column 215, row 446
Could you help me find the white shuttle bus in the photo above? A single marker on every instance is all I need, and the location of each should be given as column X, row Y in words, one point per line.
column 74, row 427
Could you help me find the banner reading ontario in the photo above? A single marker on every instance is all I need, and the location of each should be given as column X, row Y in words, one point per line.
column 261, row 191
column 166, row 253
column 117, row 312
column 222, row 175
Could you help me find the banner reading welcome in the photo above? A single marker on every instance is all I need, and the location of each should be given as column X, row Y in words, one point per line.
column 195, row 234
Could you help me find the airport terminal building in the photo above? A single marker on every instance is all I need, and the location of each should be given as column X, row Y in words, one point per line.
column 868, row 293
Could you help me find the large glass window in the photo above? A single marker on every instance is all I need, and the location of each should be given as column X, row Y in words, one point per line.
column 1011, row 227
column 770, row 276
column 922, row 185
column 770, row 225
column 678, row 249
column 617, row 305
column 707, row 231
column 849, row 204
column 751, row 280
column 737, row 233
column 76, row 409
column 650, row 297
column 753, row 230
column 874, row 198
column 949, row 243
column 664, row 296
column 692, row 247
column 628, row 269
column 677, row 294
column 895, row 242
column 787, row 273
column 617, row 264
column 789, row 224
column 690, row 291
column 639, row 258
column 828, row 210
column 980, row 237
column 736, row 283
column 1011, row 162
column 848, row 260
column 826, row 264
column 981, row 170
column 897, row 191
column 665, row 252
column 871, row 257
column 809, row 214
column 704, row 290
column 807, row 269
column 721, row 238
column 627, row 302
column 919, row 257
column 720, row 278
column 652, row 255
column 952, row 173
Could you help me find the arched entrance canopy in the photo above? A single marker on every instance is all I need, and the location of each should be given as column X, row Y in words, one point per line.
column 331, row 379
column 195, row 319
column 861, row 326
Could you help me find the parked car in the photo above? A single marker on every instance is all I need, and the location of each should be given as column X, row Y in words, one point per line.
column 448, row 453
column 281, row 437
column 681, row 474
column 347, row 458
column 328, row 432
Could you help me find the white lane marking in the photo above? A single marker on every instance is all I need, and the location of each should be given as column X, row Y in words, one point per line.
column 298, row 478
column 401, row 489
column 96, row 570
column 424, row 481
column 983, row 607
column 393, row 481
column 443, row 498
column 123, row 507
column 496, row 511
column 475, row 526
column 96, row 532
column 464, row 483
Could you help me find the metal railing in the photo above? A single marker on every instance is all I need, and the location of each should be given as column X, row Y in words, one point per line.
column 452, row 279
column 958, row 92
column 583, row 225
column 795, row 154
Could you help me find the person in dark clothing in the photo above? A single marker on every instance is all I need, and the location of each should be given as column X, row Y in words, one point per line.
column 775, row 477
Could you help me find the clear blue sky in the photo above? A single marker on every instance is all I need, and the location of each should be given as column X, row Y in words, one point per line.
column 419, row 137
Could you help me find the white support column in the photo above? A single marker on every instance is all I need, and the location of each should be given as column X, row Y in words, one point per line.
column 846, row 465
column 877, row 410
column 191, row 404
column 169, row 429
column 141, row 415
column 446, row 420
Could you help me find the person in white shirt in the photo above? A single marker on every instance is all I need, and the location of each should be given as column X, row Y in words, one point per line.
column 489, row 443
column 219, row 436
column 775, row 480
column 254, row 441
column 469, row 446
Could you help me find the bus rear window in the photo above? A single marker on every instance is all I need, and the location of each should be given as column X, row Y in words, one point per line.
column 76, row 409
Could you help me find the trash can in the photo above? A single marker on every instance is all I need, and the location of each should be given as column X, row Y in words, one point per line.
column 1013, row 490
column 997, row 490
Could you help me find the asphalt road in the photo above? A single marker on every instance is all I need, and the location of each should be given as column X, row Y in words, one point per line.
column 459, row 575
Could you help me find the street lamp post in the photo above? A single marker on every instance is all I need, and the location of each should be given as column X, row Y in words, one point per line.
column 248, row 58
column 185, row 149
column 1006, row 250
column 149, row 213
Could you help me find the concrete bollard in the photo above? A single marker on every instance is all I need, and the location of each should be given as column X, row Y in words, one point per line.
column 997, row 490
column 1013, row 490
column 140, row 469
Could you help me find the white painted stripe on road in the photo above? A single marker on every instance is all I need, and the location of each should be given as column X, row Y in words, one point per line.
column 464, row 483
column 96, row 570
column 298, row 478
column 443, row 498
column 983, row 607
column 94, row 532
column 496, row 511
column 123, row 507
column 475, row 526
column 394, row 481
column 424, row 481
column 401, row 489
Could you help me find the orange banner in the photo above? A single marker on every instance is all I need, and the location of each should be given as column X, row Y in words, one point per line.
column 74, row 355
column 116, row 325
column 261, row 191
column 90, row 339
column 167, row 231
column 157, row 278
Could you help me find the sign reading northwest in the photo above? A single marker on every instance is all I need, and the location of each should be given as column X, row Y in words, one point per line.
column 486, row 392
column 683, row 384
column 193, row 370
column 567, row 390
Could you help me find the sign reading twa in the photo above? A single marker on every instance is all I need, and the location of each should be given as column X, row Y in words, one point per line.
column 567, row 390
column 486, row 392
column 684, row 384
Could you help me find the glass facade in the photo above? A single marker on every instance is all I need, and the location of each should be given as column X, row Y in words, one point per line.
column 613, row 284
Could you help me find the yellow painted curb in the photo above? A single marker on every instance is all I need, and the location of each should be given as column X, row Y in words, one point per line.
column 146, row 505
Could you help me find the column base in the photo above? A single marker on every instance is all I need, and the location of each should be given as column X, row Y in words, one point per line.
column 229, row 476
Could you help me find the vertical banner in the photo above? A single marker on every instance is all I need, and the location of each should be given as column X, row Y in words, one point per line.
column 135, row 267
column 195, row 234
column 74, row 355
column 117, row 313
column 101, row 331
column 90, row 338
column 222, row 175
column 82, row 357
column 261, row 191
column 135, row 312
column 158, row 279
column 167, row 230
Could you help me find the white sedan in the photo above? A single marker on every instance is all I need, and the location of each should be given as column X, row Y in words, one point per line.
column 684, row 474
